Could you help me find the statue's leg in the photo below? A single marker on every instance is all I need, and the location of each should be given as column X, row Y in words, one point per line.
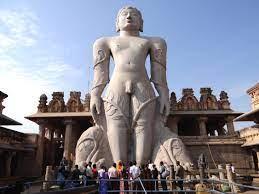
column 117, row 125
column 143, row 130
column 144, row 134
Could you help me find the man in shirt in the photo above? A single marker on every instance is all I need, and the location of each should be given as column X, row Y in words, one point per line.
column 179, row 174
column 150, row 165
column 75, row 176
column 134, row 174
column 113, row 174
column 89, row 174
column 154, row 175
column 162, row 173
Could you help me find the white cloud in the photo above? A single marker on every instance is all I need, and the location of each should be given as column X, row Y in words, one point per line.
column 23, row 82
column 18, row 28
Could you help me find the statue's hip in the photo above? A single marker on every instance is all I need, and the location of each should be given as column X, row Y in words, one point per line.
column 143, row 90
column 129, row 96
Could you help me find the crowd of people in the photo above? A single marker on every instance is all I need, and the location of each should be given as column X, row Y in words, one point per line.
column 119, row 177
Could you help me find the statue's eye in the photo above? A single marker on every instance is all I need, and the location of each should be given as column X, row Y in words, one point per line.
column 124, row 13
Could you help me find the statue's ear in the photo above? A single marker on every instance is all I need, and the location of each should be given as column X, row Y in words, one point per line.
column 117, row 27
column 141, row 26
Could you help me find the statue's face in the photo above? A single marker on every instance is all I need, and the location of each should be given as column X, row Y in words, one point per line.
column 129, row 20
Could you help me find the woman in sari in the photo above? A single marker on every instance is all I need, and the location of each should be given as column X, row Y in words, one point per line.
column 103, row 176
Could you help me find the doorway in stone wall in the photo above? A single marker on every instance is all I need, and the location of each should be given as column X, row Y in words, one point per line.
column 188, row 127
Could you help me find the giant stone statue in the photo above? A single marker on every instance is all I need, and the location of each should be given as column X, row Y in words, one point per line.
column 129, row 119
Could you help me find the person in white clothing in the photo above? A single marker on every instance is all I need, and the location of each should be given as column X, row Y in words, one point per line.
column 113, row 174
column 150, row 165
column 134, row 174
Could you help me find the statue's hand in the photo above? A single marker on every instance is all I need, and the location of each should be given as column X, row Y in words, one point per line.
column 164, row 105
column 95, row 106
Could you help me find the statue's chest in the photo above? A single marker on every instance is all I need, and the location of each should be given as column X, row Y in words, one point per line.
column 130, row 46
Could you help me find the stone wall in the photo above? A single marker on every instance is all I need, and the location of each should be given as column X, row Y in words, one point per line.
column 223, row 154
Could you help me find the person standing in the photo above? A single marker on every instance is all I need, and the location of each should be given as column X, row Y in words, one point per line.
column 103, row 176
column 179, row 174
column 75, row 176
column 95, row 173
column 150, row 165
column 63, row 162
column 113, row 175
column 88, row 174
column 154, row 176
column 120, row 169
column 162, row 172
column 134, row 175
column 147, row 176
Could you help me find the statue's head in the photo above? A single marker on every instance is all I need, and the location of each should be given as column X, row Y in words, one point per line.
column 129, row 19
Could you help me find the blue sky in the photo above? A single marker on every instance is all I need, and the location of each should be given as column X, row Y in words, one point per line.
column 46, row 46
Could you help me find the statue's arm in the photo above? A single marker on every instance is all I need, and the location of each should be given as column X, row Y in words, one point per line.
column 101, row 56
column 158, row 72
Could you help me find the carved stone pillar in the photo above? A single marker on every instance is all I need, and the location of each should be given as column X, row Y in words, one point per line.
column 202, row 125
column 69, row 144
column 221, row 173
column 40, row 143
column 230, row 125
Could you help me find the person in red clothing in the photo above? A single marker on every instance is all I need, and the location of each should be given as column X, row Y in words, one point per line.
column 95, row 173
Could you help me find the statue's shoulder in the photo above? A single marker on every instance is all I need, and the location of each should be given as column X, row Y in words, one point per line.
column 103, row 41
column 157, row 41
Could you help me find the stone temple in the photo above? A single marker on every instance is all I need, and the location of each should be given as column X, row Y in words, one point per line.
column 204, row 126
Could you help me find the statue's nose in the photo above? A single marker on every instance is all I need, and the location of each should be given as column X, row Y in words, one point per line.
column 128, row 16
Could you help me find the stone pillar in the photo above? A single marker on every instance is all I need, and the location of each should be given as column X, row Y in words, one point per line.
column 8, row 159
column 69, row 143
column 52, row 146
column 257, row 155
column 202, row 126
column 40, row 144
column 221, row 173
column 173, row 124
column 230, row 125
